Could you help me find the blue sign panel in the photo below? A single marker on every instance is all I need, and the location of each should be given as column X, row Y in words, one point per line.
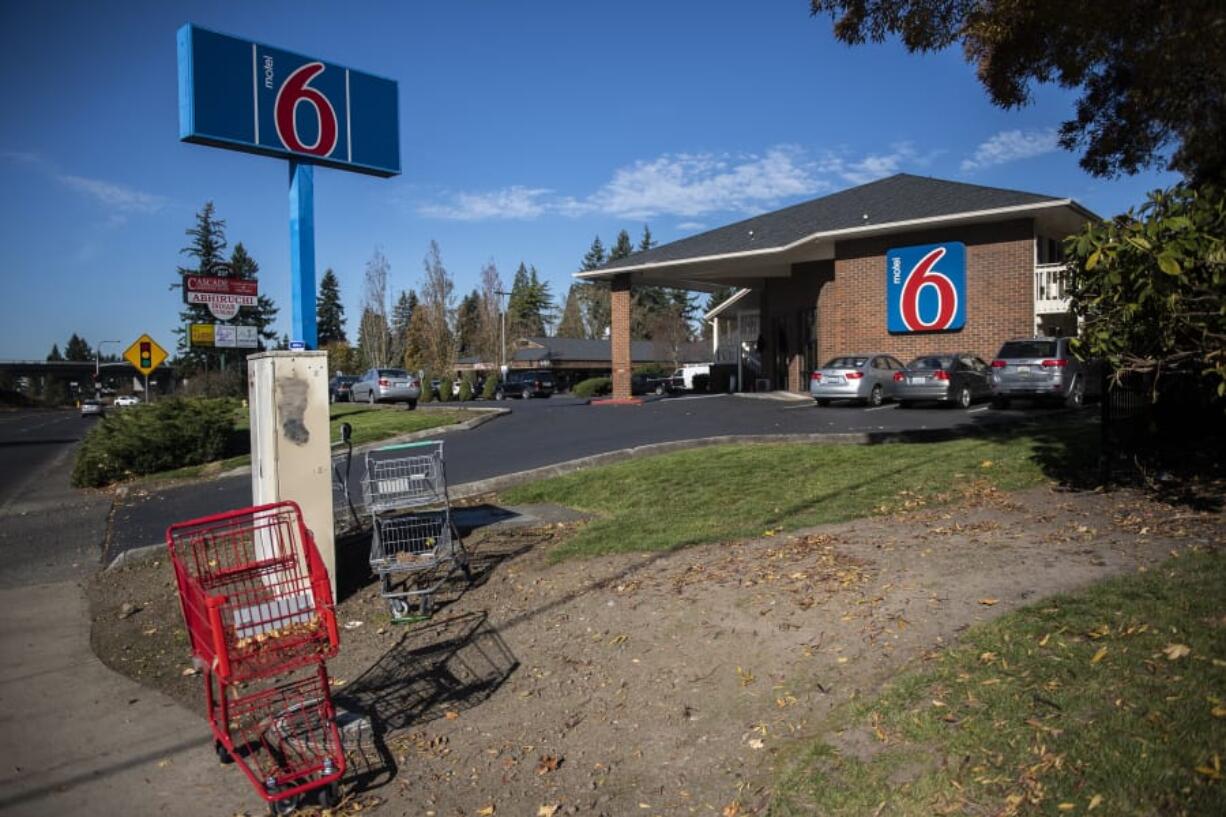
column 247, row 96
column 925, row 288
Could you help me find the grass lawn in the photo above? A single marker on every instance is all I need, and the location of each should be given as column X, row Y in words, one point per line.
column 369, row 425
column 738, row 491
column 1112, row 700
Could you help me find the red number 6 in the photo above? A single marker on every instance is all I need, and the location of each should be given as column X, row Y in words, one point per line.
column 923, row 275
column 294, row 90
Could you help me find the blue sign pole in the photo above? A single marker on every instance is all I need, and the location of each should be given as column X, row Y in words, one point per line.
column 302, row 251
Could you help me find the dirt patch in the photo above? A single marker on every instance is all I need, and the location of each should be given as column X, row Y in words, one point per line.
column 667, row 683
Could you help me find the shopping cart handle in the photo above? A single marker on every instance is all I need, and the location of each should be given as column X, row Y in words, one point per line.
column 418, row 444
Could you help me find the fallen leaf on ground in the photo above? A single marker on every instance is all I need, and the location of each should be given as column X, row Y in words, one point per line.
column 451, row 715
column 548, row 763
column 1100, row 655
column 1174, row 652
column 988, row 602
column 1213, row 769
column 756, row 743
column 352, row 625
column 1095, row 802
column 1218, row 711
column 547, row 811
column 732, row 809
column 1066, row 807
column 485, row 811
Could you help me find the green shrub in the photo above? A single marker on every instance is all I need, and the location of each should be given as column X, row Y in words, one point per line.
column 592, row 387
column 491, row 386
column 427, row 390
column 444, row 390
column 653, row 370
column 702, row 383
column 170, row 433
column 466, row 387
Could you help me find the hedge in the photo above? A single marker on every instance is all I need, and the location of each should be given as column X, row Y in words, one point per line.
column 169, row 433
column 592, row 387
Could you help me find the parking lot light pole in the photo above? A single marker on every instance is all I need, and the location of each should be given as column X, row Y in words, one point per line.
column 502, row 367
column 98, row 367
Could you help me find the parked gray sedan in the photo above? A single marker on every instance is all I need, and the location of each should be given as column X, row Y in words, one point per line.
column 958, row 379
column 868, row 378
column 386, row 385
column 1042, row 369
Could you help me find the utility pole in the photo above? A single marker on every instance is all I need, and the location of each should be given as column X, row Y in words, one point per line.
column 98, row 368
column 502, row 368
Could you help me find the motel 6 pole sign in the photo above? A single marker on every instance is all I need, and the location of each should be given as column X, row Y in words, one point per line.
column 925, row 288
column 245, row 96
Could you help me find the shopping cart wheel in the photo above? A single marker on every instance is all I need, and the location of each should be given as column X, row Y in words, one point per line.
column 330, row 796
column 282, row 808
column 399, row 607
column 467, row 570
column 222, row 755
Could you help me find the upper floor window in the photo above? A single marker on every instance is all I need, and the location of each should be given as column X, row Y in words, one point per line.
column 1050, row 250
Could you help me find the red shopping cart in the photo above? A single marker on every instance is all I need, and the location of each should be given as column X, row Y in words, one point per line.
column 257, row 604
column 254, row 591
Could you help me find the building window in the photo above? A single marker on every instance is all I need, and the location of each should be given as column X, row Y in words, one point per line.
column 1050, row 250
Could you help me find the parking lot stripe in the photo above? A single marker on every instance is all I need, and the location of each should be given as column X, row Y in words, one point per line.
column 980, row 408
column 882, row 408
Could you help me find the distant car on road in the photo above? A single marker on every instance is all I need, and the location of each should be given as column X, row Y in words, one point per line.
column 953, row 379
column 866, row 378
column 525, row 384
column 1042, row 369
column 340, row 388
column 657, row 384
column 386, row 386
column 92, row 408
column 125, row 400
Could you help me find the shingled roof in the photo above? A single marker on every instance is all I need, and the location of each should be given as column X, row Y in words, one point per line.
column 897, row 199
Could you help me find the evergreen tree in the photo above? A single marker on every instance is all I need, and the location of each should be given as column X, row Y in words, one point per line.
column 622, row 248
column 594, row 295
column 646, row 242
column 402, row 314
column 77, row 349
column 519, row 317
column 714, row 299
column 55, row 356
column 329, row 311
column 468, row 324
column 207, row 253
column 594, row 257
column 571, row 325
column 543, row 308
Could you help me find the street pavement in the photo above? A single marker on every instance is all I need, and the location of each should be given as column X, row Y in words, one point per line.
column 75, row 737
column 538, row 433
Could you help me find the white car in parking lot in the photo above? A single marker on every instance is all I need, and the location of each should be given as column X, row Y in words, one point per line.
column 127, row 400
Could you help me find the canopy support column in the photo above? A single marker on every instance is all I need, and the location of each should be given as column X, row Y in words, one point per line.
column 619, row 335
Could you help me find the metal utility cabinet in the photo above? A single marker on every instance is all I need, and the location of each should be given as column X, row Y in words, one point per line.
column 291, row 449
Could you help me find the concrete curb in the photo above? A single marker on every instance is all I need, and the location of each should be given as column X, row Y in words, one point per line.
column 487, row 414
column 780, row 396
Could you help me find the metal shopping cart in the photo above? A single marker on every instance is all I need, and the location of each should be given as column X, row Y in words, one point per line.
column 257, row 603
column 415, row 546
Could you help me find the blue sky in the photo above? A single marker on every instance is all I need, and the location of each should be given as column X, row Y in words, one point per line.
column 526, row 129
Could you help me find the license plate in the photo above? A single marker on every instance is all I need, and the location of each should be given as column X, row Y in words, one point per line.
column 1023, row 370
column 835, row 378
column 400, row 384
column 918, row 381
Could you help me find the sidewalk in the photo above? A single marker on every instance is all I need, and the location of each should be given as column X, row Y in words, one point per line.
column 80, row 739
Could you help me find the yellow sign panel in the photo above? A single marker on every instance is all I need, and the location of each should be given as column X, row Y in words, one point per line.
column 145, row 354
column 202, row 334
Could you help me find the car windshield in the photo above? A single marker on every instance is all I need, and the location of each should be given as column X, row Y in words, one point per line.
column 1028, row 348
column 393, row 373
column 931, row 363
column 847, row 363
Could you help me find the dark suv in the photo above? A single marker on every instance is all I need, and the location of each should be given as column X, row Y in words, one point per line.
column 525, row 384
column 1042, row 369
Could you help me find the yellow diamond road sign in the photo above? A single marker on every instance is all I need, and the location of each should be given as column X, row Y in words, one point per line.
column 145, row 354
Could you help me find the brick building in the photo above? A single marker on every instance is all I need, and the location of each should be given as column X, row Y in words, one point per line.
column 907, row 265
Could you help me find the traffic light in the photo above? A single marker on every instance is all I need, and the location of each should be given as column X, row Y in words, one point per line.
column 146, row 354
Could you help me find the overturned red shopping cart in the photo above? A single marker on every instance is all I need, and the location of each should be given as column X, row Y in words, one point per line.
column 257, row 604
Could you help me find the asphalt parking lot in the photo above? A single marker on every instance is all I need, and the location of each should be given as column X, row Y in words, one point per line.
column 543, row 432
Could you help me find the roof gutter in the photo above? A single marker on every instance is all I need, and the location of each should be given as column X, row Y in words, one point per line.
column 846, row 232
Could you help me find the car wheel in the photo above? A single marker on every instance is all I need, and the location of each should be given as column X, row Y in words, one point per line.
column 660, row 390
column 1000, row 402
column 1076, row 395
column 498, row 395
column 874, row 396
column 964, row 398
column 412, row 405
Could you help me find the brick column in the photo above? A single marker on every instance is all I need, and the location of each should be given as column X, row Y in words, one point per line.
column 619, row 335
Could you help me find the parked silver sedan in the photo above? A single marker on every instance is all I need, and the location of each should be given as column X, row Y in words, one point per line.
column 386, row 385
column 867, row 378
column 956, row 380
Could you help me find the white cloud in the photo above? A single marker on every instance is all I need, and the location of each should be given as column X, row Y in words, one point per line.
column 509, row 203
column 691, row 225
column 123, row 199
column 1010, row 146
column 874, row 166
column 683, row 184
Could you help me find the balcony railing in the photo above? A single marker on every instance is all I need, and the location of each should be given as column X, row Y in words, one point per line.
column 1050, row 289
